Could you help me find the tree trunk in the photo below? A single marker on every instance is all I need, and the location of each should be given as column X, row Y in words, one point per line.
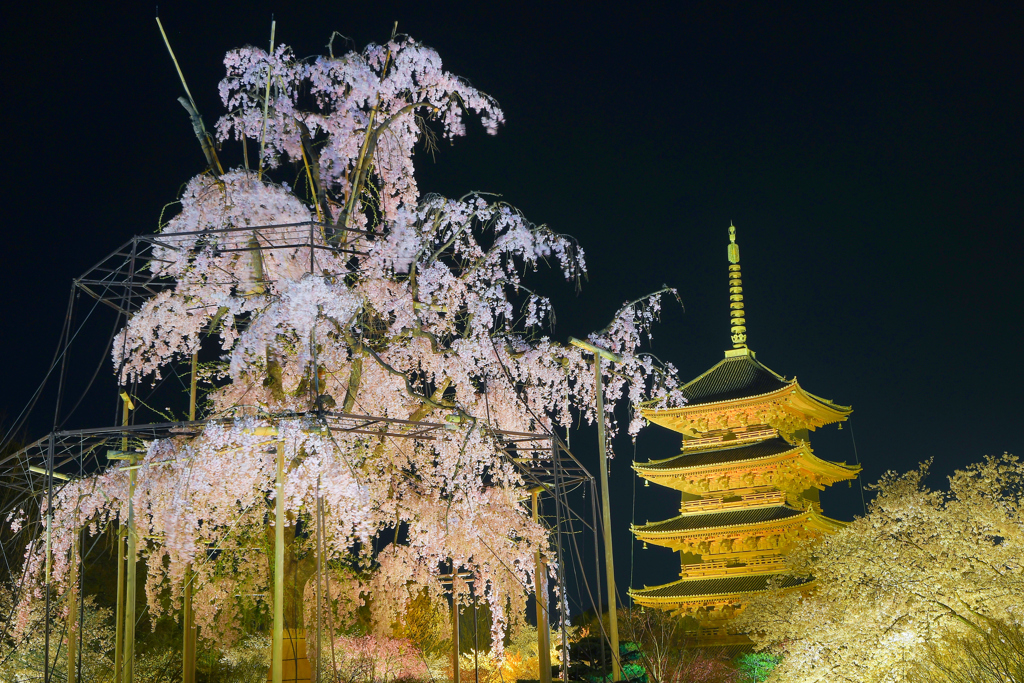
column 297, row 572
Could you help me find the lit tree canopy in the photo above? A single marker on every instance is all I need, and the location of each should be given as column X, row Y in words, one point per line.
column 921, row 566
column 413, row 306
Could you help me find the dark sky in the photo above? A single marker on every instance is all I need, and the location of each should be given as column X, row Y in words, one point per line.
column 870, row 157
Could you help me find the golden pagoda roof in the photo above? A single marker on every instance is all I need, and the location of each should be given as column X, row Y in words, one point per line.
column 738, row 375
column 671, row 533
column 729, row 452
column 723, row 459
column 741, row 384
column 719, row 519
column 705, row 588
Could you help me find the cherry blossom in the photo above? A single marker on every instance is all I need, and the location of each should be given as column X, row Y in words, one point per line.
column 412, row 307
column 922, row 566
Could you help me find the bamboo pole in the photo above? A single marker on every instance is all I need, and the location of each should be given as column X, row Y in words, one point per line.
column 49, row 525
column 540, row 589
column 192, row 388
column 188, row 647
column 46, row 626
column 72, row 627
column 277, row 663
column 205, row 140
column 266, row 98
column 319, row 575
column 122, row 531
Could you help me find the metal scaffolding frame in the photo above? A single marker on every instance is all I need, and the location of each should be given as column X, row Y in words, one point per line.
column 132, row 274
column 543, row 461
column 124, row 280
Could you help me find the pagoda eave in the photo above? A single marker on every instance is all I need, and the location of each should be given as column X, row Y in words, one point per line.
column 788, row 409
column 780, row 533
column 745, row 474
column 689, row 595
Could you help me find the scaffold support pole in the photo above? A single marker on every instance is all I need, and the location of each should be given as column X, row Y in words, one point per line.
column 277, row 662
column 540, row 589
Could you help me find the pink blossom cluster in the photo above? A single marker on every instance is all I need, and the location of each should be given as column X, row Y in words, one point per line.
column 390, row 84
column 374, row 659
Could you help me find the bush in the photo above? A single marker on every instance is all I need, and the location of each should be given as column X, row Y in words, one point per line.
column 668, row 653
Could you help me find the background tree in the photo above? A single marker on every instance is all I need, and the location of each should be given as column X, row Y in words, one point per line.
column 994, row 652
column 922, row 574
column 667, row 649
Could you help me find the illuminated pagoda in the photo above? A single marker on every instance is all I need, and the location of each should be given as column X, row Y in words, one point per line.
column 749, row 480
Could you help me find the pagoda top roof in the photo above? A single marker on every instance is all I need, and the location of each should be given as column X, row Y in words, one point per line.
column 716, row 456
column 739, row 390
column 738, row 375
column 702, row 587
column 723, row 518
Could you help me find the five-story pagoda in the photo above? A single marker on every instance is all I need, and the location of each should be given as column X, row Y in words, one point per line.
column 749, row 481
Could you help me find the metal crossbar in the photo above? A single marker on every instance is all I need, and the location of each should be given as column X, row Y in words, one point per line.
column 130, row 275
column 86, row 450
column 137, row 271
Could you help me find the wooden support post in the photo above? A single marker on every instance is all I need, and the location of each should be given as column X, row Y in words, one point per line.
column 72, row 627
column 128, row 640
column 540, row 590
column 455, row 633
column 188, row 645
column 277, row 661
column 49, row 570
column 606, row 513
column 128, row 663
column 49, row 525
column 119, row 622
column 606, row 519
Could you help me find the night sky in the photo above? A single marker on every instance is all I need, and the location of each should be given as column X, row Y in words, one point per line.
column 870, row 158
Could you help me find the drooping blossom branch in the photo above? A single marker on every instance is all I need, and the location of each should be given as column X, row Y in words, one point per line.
column 412, row 307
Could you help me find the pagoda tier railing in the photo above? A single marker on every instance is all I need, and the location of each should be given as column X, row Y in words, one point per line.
column 752, row 565
column 720, row 503
column 719, row 440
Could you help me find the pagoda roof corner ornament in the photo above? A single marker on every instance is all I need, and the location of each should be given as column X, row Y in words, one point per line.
column 736, row 312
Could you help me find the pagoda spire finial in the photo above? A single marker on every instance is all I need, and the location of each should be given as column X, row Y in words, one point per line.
column 739, row 331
